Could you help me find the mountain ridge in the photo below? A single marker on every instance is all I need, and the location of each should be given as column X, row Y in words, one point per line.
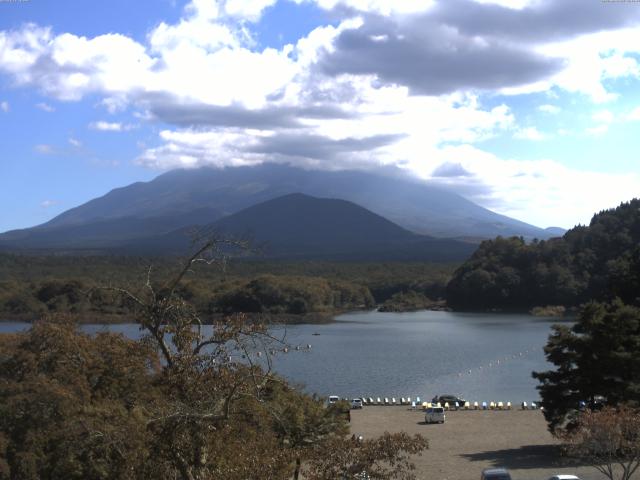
column 413, row 204
column 305, row 227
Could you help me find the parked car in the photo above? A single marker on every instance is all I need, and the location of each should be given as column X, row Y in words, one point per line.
column 356, row 403
column 434, row 415
column 333, row 399
column 564, row 477
column 495, row 474
column 450, row 399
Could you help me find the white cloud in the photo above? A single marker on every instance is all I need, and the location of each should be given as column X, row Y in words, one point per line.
column 48, row 203
column 634, row 115
column 598, row 130
column 225, row 101
column 110, row 126
column 515, row 4
column 603, row 116
column 529, row 133
column 591, row 59
column 45, row 107
column 563, row 196
column 384, row 7
column 550, row 109
column 247, row 9
column 4, row 106
column 74, row 142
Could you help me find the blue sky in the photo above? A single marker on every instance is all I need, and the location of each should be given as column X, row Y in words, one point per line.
column 524, row 107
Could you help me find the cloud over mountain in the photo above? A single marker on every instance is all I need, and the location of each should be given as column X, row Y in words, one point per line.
column 416, row 84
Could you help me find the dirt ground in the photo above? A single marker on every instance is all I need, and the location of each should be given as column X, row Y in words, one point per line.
column 470, row 441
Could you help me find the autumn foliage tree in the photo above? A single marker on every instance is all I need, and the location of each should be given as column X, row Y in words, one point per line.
column 384, row 458
column 608, row 439
column 73, row 406
column 188, row 400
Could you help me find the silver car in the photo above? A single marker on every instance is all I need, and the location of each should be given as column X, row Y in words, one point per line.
column 495, row 474
column 434, row 415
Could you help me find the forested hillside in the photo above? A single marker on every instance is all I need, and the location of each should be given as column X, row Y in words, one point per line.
column 32, row 286
column 596, row 262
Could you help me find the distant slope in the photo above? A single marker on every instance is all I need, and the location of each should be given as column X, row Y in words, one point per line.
column 555, row 231
column 412, row 204
column 300, row 226
column 101, row 233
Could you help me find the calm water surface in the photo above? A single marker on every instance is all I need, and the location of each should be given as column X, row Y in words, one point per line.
column 482, row 357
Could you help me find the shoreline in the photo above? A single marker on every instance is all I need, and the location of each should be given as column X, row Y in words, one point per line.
column 312, row 318
column 317, row 318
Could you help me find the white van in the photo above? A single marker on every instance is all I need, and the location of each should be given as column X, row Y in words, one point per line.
column 434, row 415
column 333, row 399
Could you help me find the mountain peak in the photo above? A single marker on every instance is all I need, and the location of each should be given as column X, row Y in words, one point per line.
column 184, row 198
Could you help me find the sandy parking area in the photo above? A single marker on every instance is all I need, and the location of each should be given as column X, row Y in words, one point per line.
column 470, row 441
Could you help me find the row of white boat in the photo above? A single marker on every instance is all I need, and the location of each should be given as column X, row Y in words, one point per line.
column 417, row 403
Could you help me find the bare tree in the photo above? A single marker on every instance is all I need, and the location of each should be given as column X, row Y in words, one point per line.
column 608, row 439
column 213, row 374
column 210, row 372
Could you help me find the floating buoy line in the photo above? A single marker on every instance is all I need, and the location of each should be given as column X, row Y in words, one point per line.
column 495, row 363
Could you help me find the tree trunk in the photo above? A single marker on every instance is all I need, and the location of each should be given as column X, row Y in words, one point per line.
column 296, row 473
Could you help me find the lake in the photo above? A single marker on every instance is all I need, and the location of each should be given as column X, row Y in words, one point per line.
column 483, row 357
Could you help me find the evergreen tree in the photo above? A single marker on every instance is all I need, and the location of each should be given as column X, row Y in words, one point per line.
column 598, row 357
